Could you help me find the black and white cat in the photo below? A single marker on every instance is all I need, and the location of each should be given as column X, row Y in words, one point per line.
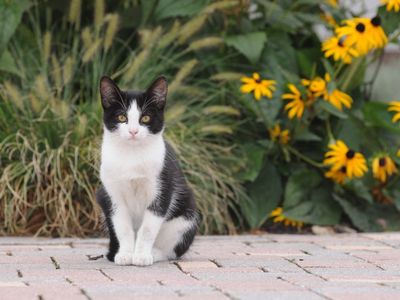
column 149, row 209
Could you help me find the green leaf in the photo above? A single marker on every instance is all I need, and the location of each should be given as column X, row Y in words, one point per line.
column 10, row 16
column 265, row 193
column 254, row 161
column 353, row 132
column 390, row 20
column 307, row 200
column 177, row 8
column 250, row 44
column 326, row 106
column 377, row 115
column 299, row 185
column 319, row 208
column 304, row 134
column 7, row 64
column 376, row 217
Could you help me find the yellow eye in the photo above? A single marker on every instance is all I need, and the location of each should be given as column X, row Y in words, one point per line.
column 122, row 118
column 145, row 119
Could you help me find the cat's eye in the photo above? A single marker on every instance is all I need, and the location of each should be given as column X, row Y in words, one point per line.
column 122, row 118
column 145, row 119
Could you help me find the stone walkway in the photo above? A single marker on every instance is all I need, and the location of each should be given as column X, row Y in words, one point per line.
column 363, row 266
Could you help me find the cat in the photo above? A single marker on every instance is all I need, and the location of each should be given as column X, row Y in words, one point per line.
column 149, row 209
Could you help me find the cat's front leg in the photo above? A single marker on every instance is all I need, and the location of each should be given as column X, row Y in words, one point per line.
column 126, row 236
column 146, row 236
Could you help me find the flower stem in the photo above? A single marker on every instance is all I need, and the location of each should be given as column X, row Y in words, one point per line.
column 329, row 131
column 349, row 76
column 305, row 158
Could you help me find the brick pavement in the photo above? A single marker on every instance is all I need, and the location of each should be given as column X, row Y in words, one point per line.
column 342, row 266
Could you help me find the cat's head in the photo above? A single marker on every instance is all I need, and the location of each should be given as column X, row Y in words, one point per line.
column 133, row 116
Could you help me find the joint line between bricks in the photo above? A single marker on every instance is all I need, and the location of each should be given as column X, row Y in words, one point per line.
column 304, row 269
column 55, row 263
column 210, row 285
column 105, row 274
column 305, row 287
column 83, row 292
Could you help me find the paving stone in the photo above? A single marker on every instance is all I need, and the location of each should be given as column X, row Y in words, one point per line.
column 266, row 266
column 277, row 295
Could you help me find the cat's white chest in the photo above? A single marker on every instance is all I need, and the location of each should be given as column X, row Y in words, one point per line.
column 130, row 174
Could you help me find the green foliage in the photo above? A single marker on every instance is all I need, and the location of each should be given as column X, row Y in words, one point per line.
column 265, row 192
column 51, row 59
column 50, row 124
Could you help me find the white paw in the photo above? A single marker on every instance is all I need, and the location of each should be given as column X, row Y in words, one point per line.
column 123, row 259
column 142, row 259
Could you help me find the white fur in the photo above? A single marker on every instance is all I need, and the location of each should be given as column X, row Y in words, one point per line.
column 129, row 171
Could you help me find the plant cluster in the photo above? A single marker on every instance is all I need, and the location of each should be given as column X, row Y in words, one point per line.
column 271, row 124
column 332, row 153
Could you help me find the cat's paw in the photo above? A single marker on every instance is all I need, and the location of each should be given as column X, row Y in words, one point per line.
column 142, row 259
column 123, row 258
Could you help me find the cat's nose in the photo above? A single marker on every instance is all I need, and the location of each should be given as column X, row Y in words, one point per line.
column 133, row 132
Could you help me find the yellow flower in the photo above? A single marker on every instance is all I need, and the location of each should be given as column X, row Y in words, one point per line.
column 378, row 34
column 392, row 5
column 319, row 87
column 395, row 106
column 337, row 176
column 297, row 104
column 280, row 136
column 383, row 167
column 356, row 34
column 363, row 34
column 316, row 86
column 340, row 49
column 279, row 217
column 337, row 98
column 260, row 87
column 398, row 153
column 341, row 156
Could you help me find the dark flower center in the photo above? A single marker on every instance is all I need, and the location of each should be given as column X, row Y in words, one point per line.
column 340, row 43
column 350, row 154
column 382, row 162
column 360, row 27
column 258, row 80
column 343, row 169
column 376, row 21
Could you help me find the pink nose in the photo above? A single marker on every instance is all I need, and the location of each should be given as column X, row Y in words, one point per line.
column 133, row 132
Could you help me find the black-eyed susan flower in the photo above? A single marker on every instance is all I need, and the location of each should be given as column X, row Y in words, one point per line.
column 377, row 33
column 392, row 5
column 339, row 49
column 297, row 104
column 278, row 135
column 340, row 156
column 383, row 167
column 338, row 176
column 395, row 106
column 357, row 34
column 316, row 86
column 260, row 87
column 336, row 97
column 278, row 217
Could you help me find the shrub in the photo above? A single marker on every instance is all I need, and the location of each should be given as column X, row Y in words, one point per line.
column 51, row 116
column 324, row 151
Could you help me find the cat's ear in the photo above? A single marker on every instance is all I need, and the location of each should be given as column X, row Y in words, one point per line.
column 109, row 92
column 158, row 91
